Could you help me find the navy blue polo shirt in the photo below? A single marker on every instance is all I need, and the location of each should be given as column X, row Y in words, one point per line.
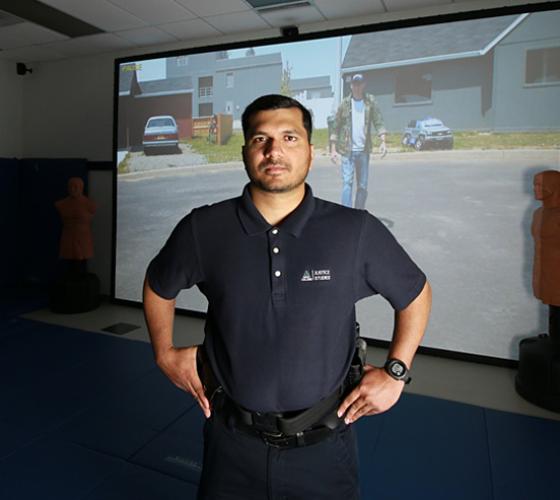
column 280, row 325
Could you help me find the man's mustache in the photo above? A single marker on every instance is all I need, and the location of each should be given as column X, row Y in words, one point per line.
column 273, row 163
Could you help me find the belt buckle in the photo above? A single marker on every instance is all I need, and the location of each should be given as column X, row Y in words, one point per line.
column 276, row 440
column 266, row 423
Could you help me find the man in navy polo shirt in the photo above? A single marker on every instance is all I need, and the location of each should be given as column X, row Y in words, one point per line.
column 282, row 271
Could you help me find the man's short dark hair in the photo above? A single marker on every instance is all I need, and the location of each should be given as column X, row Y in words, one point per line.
column 275, row 101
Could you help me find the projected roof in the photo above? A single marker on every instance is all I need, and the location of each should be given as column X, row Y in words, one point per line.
column 167, row 86
column 425, row 43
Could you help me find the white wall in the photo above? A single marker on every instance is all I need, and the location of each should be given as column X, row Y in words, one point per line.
column 11, row 110
column 69, row 109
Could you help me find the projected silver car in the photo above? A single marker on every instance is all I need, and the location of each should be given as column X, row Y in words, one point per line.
column 429, row 132
column 160, row 134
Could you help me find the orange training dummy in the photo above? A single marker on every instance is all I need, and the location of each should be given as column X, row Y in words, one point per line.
column 546, row 233
column 76, row 212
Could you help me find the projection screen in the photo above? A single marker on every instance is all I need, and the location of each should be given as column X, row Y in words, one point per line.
column 472, row 110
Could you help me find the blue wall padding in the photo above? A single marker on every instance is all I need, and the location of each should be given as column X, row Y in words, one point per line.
column 8, row 222
column 41, row 183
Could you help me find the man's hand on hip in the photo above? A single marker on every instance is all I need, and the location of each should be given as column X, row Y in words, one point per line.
column 376, row 393
column 179, row 365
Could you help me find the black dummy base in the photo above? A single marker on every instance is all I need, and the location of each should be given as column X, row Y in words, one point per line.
column 75, row 293
column 538, row 376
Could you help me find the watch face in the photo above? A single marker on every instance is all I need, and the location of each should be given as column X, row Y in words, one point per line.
column 397, row 369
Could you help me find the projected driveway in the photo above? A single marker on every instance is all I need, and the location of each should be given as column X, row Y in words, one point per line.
column 138, row 161
column 463, row 216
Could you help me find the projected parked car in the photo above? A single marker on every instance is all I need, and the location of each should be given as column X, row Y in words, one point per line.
column 429, row 132
column 160, row 134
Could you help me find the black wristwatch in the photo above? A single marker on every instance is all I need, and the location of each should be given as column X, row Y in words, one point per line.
column 397, row 370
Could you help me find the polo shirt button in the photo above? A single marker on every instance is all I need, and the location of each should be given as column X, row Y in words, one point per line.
column 275, row 230
column 275, row 250
column 277, row 274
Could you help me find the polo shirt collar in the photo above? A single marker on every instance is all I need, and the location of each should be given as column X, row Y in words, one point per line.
column 254, row 223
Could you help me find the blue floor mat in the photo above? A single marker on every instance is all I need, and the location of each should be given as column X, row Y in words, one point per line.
column 44, row 399
column 151, row 399
column 54, row 349
column 53, row 469
column 13, row 437
column 525, row 453
column 431, row 446
column 117, row 435
column 138, row 483
column 178, row 450
column 90, row 416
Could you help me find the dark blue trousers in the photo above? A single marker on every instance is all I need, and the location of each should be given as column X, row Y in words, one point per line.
column 241, row 466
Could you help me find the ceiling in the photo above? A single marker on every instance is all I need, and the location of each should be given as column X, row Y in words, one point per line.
column 129, row 24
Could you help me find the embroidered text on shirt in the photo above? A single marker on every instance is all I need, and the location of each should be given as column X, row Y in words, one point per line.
column 319, row 275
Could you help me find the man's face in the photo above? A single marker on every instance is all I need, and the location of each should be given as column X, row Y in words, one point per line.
column 358, row 89
column 277, row 153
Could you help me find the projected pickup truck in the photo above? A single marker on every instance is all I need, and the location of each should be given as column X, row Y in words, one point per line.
column 160, row 134
column 429, row 132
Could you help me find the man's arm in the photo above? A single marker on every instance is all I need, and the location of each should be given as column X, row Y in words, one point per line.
column 379, row 125
column 377, row 391
column 334, row 133
column 178, row 364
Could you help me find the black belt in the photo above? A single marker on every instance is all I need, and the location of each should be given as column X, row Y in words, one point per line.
column 285, row 430
column 320, row 414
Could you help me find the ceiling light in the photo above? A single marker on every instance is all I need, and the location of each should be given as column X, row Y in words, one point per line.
column 263, row 6
column 48, row 17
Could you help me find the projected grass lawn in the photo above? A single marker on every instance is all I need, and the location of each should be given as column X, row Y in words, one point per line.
column 231, row 151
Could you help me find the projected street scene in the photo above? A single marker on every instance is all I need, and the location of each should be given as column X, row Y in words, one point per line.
column 469, row 111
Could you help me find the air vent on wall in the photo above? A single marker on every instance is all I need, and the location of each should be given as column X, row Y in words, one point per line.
column 264, row 6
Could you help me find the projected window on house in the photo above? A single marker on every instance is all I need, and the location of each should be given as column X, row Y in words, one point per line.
column 543, row 65
column 205, row 109
column 205, row 86
column 182, row 61
column 413, row 85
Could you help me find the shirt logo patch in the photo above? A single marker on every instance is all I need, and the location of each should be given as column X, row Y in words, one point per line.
column 316, row 275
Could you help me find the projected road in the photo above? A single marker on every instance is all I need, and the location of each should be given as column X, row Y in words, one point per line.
column 463, row 216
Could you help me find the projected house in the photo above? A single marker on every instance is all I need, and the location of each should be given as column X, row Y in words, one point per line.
column 466, row 73
column 227, row 85
column 316, row 94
